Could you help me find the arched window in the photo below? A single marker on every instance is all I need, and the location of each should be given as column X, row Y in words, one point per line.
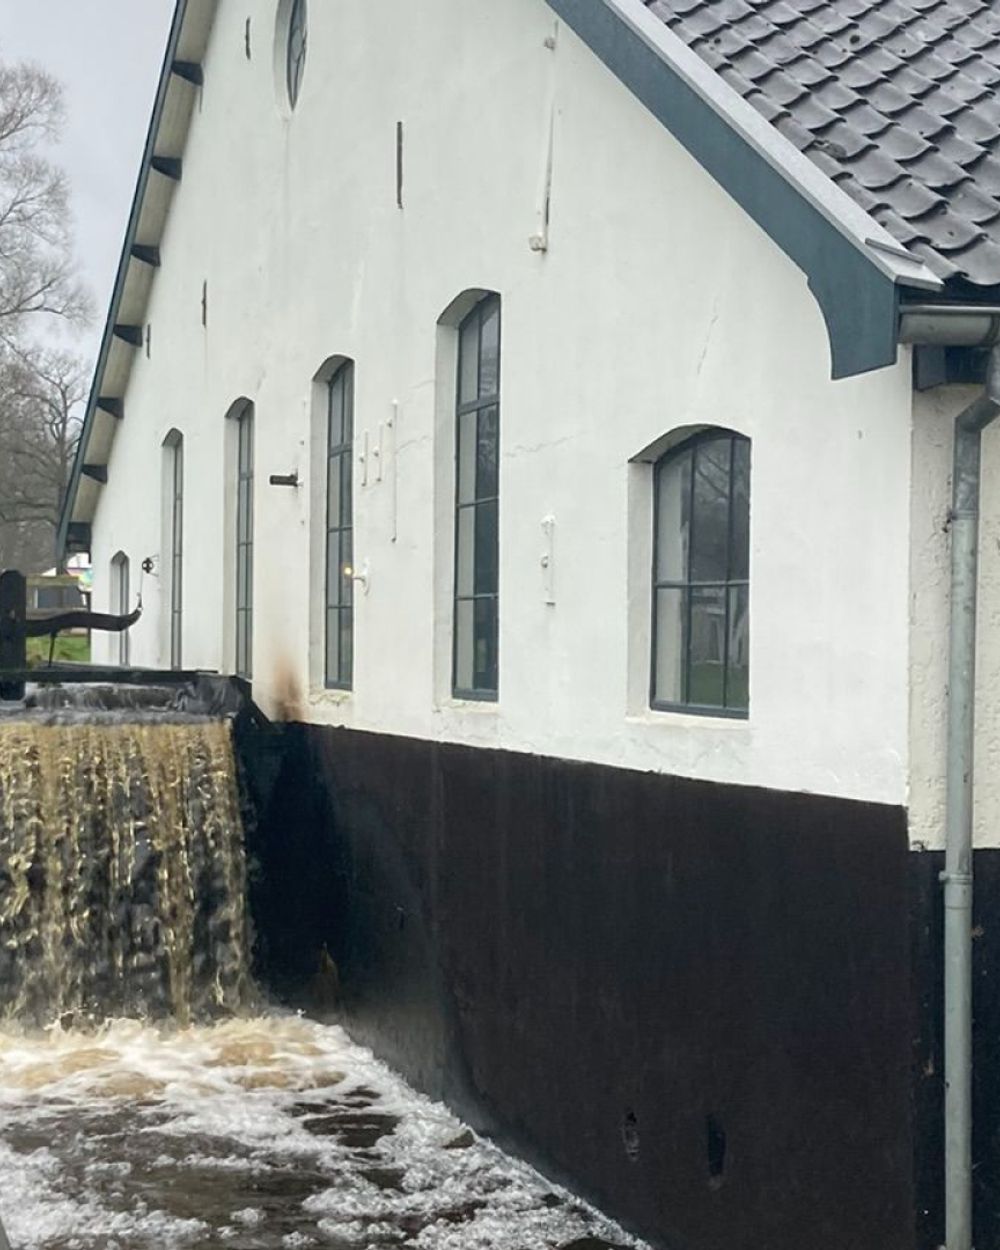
column 477, row 450
column 173, row 539
column 339, row 623
column 120, row 594
column 243, row 417
column 295, row 50
column 701, row 576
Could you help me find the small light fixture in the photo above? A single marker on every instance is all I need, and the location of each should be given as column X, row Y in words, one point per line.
column 284, row 479
column 357, row 574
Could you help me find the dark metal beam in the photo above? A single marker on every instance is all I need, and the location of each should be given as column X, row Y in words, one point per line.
column 47, row 624
column 148, row 255
column 49, row 675
column 168, row 166
column 96, row 472
column 129, row 334
column 112, row 406
column 190, row 71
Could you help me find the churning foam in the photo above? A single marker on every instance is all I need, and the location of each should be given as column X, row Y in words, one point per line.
column 259, row 1133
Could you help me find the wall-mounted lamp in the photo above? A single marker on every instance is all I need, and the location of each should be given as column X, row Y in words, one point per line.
column 358, row 574
column 284, row 479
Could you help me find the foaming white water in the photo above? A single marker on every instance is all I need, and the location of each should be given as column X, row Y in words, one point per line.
column 254, row 1134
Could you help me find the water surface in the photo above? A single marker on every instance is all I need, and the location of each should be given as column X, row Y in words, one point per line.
column 252, row 1134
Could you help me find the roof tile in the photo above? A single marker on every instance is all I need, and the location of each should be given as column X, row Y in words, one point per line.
column 901, row 144
column 897, row 101
column 871, row 122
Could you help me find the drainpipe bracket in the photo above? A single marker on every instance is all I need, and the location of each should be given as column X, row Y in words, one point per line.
column 957, row 891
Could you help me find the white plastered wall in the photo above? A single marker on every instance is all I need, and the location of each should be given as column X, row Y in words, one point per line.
column 933, row 436
column 658, row 304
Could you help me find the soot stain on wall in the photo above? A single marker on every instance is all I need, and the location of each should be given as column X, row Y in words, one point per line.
column 692, row 1000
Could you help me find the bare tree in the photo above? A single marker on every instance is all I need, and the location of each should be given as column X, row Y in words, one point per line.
column 41, row 392
column 36, row 268
column 41, row 387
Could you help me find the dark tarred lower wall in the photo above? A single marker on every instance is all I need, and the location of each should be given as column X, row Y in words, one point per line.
column 693, row 1001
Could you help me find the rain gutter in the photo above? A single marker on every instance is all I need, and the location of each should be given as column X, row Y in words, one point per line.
column 950, row 324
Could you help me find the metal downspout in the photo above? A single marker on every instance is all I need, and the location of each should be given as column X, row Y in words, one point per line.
column 957, row 875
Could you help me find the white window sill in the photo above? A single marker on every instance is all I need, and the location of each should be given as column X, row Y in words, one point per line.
column 670, row 721
column 330, row 698
column 469, row 707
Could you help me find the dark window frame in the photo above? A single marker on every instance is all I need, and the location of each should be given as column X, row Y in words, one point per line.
column 340, row 530
column 244, row 540
column 484, row 401
column 687, row 584
column 175, row 447
column 295, row 56
column 121, row 597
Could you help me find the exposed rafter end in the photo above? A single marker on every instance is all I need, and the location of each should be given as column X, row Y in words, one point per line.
column 190, row 71
column 77, row 537
column 148, row 255
column 129, row 334
column 113, row 407
column 96, row 473
column 168, row 166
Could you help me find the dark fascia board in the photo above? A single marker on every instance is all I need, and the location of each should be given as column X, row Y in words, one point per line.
column 69, row 501
column 854, row 267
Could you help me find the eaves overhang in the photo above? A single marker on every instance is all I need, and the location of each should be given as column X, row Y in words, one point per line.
column 159, row 173
column 856, row 270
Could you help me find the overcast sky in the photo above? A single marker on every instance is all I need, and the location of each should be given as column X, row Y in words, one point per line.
column 107, row 54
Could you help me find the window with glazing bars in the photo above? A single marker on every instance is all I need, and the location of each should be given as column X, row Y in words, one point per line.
column 476, row 662
column 701, row 576
column 120, row 593
column 340, row 530
column 175, row 450
column 244, row 543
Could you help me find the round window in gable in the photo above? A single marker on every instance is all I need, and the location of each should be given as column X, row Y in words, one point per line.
column 295, row 49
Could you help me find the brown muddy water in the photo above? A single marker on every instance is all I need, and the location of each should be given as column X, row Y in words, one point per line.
column 211, row 1123
column 253, row 1134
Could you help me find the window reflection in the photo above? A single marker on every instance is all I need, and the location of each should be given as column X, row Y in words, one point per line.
column 701, row 575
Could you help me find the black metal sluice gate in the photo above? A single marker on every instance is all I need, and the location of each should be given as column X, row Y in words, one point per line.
column 17, row 625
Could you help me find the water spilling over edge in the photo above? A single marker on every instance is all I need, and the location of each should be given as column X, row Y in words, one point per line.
column 122, row 871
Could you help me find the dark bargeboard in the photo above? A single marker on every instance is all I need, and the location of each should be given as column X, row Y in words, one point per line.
column 691, row 1000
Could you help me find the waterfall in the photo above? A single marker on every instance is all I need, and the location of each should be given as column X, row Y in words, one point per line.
column 122, row 870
